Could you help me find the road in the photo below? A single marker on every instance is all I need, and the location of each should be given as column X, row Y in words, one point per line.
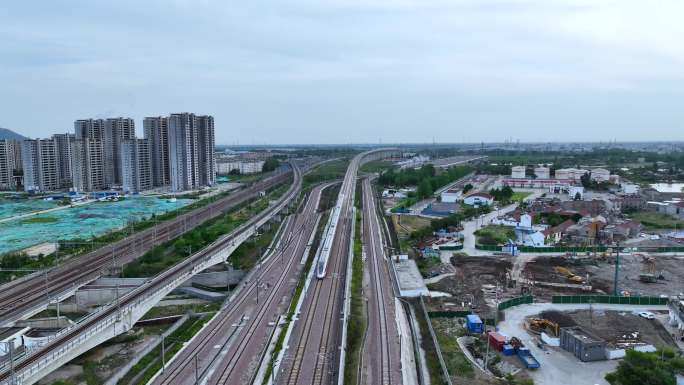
column 177, row 272
column 314, row 352
column 229, row 349
column 381, row 350
column 23, row 296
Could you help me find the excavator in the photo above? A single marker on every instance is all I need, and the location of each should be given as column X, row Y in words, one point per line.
column 538, row 325
column 649, row 274
column 569, row 275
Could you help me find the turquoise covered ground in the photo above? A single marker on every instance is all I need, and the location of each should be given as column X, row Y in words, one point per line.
column 78, row 222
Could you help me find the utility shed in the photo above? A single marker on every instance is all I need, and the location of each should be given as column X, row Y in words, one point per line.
column 582, row 344
column 408, row 278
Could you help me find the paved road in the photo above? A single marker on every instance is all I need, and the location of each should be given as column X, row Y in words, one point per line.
column 229, row 349
column 381, row 355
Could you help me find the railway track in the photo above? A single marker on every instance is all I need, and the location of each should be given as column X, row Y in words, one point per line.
column 20, row 296
column 151, row 286
column 383, row 371
column 229, row 356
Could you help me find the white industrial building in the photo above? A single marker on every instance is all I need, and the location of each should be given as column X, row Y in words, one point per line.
column 573, row 174
column 518, row 172
column 244, row 167
column 600, row 175
column 542, row 172
column 450, row 196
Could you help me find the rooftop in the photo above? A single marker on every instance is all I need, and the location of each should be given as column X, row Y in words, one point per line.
column 409, row 280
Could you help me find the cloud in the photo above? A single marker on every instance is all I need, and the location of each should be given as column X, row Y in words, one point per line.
column 350, row 71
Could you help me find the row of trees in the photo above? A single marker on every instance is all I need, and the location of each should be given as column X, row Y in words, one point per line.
column 426, row 178
column 503, row 194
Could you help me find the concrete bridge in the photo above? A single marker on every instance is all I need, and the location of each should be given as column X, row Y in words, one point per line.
column 47, row 354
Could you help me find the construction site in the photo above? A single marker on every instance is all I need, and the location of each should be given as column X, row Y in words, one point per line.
column 478, row 283
column 615, row 329
column 637, row 275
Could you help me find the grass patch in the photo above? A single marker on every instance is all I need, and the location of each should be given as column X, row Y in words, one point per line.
column 656, row 221
column 327, row 171
column 426, row 264
column 447, row 330
column 40, row 220
column 519, row 196
column 375, row 166
column 431, row 359
column 494, row 234
column 357, row 319
column 169, row 253
column 150, row 364
column 166, row 311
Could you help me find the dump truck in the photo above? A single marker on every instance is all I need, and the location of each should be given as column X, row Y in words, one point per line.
column 527, row 358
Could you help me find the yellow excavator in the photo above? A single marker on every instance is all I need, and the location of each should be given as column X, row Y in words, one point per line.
column 538, row 325
column 569, row 275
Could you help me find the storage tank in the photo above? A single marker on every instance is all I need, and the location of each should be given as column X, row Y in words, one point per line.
column 518, row 172
column 542, row 172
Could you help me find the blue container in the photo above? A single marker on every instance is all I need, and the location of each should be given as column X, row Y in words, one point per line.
column 508, row 350
column 474, row 324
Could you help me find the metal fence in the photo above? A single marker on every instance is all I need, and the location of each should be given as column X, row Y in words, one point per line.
column 526, row 299
column 609, row 299
column 580, row 249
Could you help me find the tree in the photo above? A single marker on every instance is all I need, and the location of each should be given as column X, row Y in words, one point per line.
column 234, row 171
column 424, row 189
column 641, row 368
column 467, row 188
column 578, row 196
column 270, row 164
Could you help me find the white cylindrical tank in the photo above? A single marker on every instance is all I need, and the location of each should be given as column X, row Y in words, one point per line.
column 518, row 172
column 542, row 172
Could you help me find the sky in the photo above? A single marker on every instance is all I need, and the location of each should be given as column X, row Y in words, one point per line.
column 351, row 71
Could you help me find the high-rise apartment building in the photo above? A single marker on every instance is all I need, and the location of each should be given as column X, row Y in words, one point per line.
column 88, row 155
column 136, row 165
column 64, row 143
column 90, row 128
column 87, row 165
column 206, row 150
column 7, row 164
column 157, row 132
column 116, row 130
column 183, row 161
column 40, row 164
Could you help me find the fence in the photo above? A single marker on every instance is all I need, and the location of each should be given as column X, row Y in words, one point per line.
column 580, row 249
column 451, row 247
column 457, row 314
column 516, row 301
column 609, row 299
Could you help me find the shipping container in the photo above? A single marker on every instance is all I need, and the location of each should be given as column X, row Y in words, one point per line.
column 496, row 340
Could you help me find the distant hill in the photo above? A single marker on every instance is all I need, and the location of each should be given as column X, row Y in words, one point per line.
column 6, row 133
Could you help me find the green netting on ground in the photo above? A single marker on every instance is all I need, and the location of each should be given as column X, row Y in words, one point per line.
column 10, row 207
column 80, row 222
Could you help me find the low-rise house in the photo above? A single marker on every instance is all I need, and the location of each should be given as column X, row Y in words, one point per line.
column 479, row 199
column 555, row 234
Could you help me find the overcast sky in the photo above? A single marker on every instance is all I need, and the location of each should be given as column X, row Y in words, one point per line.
column 341, row 71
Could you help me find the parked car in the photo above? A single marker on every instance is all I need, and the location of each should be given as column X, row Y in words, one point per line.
column 646, row 314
